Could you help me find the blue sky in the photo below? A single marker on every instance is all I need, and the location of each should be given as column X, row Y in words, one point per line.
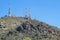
column 43, row 10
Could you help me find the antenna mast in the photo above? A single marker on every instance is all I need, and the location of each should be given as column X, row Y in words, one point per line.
column 27, row 13
column 9, row 8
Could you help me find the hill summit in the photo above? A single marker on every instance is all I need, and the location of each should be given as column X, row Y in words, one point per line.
column 23, row 28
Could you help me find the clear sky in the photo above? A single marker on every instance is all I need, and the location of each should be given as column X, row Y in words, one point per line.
column 43, row 10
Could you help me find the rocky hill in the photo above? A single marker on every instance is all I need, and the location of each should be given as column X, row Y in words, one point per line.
column 21, row 28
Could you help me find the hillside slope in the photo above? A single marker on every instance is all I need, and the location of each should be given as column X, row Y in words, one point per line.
column 19, row 28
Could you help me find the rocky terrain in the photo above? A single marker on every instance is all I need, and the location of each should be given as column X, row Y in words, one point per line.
column 22, row 28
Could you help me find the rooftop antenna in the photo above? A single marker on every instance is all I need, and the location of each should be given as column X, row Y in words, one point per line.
column 9, row 8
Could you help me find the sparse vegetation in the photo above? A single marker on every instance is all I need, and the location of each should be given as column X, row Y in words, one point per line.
column 17, row 28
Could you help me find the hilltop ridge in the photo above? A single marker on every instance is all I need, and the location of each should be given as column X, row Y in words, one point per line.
column 22, row 28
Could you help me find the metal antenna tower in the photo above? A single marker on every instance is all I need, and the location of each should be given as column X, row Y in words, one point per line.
column 8, row 8
column 27, row 13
